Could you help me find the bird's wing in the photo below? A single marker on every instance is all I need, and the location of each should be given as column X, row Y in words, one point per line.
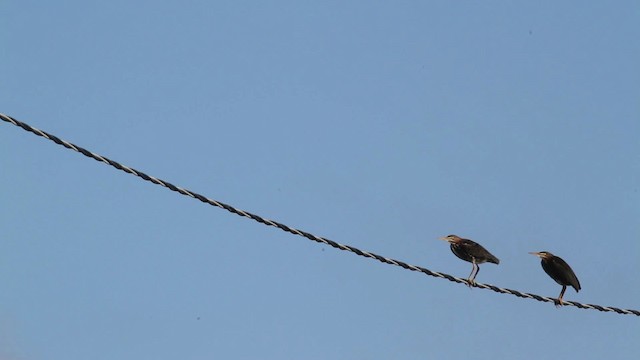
column 568, row 275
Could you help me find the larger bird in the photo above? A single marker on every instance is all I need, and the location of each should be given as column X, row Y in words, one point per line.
column 559, row 271
column 472, row 252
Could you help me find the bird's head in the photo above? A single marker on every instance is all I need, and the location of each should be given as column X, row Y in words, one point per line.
column 452, row 239
column 542, row 254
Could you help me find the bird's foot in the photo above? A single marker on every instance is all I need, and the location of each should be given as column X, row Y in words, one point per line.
column 558, row 302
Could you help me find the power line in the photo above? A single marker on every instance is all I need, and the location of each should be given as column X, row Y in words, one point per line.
column 295, row 231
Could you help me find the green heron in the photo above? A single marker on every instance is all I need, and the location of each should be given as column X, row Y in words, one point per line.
column 559, row 271
column 472, row 252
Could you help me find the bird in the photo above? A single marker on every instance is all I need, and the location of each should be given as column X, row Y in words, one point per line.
column 472, row 252
column 559, row 271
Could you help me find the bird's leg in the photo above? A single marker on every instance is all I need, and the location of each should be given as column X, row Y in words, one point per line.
column 470, row 280
column 559, row 301
column 476, row 274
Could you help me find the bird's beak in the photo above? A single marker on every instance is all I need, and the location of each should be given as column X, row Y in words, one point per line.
column 443, row 238
column 536, row 254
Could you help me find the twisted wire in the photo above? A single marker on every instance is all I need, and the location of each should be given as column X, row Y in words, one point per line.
column 305, row 234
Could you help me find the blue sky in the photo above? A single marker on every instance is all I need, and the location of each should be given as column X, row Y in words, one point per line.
column 382, row 126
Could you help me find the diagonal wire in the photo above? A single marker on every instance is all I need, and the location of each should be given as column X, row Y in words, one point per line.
column 307, row 235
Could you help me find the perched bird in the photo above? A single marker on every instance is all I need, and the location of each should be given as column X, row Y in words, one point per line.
column 472, row 252
column 559, row 271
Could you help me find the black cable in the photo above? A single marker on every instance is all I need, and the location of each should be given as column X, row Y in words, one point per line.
column 307, row 235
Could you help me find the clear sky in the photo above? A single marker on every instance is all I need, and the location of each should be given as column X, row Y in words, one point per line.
column 382, row 125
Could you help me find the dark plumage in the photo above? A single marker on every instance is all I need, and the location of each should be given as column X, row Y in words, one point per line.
column 472, row 252
column 559, row 271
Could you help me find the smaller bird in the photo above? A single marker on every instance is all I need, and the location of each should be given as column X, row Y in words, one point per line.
column 472, row 252
column 559, row 271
